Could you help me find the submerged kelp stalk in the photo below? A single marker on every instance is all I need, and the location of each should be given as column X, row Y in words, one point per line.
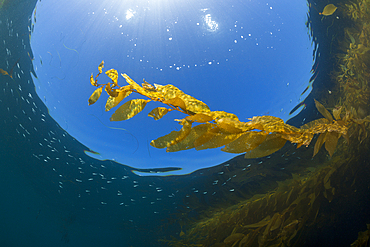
column 261, row 136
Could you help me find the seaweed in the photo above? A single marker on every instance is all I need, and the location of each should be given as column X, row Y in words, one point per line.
column 307, row 206
column 290, row 215
column 302, row 208
column 363, row 238
column 204, row 129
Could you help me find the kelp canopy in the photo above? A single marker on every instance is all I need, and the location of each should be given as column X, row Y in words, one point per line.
column 203, row 128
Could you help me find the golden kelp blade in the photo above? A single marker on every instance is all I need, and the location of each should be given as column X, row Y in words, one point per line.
column 129, row 109
column 192, row 104
column 110, row 103
column 215, row 139
column 221, row 114
column 272, row 143
column 158, row 113
column 92, row 81
column 199, row 117
column 100, row 67
column 183, row 133
column 336, row 113
column 212, row 130
column 176, row 102
column 189, row 140
column 173, row 138
column 113, row 75
column 95, row 96
column 323, row 111
column 114, row 101
column 3, row 72
column 245, row 143
column 230, row 125
column 319, row 142
column 164, row 141
column 329, row 10
column 331, row 142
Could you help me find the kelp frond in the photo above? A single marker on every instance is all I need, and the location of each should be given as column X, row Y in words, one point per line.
column 203, row 128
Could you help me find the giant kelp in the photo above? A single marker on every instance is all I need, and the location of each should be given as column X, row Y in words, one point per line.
column 353, row 72
column 305, row 207
column 300, row 208
column 353, row 64
column 203, row 128
column 288, row 216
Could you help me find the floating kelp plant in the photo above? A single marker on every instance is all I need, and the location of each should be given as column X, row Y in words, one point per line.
column 261, row 136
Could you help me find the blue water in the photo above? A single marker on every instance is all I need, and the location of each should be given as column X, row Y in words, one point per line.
column 249, row 58
column 229, row 55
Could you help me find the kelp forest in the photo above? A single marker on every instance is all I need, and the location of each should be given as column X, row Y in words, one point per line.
column 320, row 199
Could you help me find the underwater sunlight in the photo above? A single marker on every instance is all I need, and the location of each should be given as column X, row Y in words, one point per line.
column 206, row 52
